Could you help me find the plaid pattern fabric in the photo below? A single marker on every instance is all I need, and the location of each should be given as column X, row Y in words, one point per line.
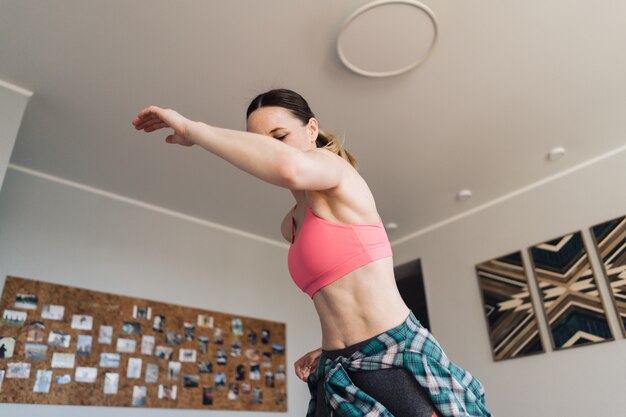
column 453, row 390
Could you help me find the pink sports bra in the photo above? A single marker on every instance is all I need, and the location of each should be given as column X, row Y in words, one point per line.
column 326, row 251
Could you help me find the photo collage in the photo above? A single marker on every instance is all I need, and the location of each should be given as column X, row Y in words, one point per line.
column 65, row 345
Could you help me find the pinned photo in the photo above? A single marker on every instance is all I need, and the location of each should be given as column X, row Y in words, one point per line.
column 189, row 331
column 220, row 380
column 191, row 381
column 269, row 379
column 164, row 352
column 280, row 372
column 105, row 335
column 131, row 327
column 14, row 318
column 265, row 336
column 84, row 374
column 82, row 322
column 267, row 360
column 207, row 395
column 83, row 344
column 245, row 388
column 56, row 338
column 26, row 301
column 152, row 373
column 205, row 321
column 126, row 345
column 19, row 370
column 43, row 381
column 139, row 396
column 111, row 381
column 217, row 336
column 278, row 348
column 222, row 356
column 109, row 360
column 140, row 312
column 203, row 344
column 1, row 379
column 240, row 372
column 173, row 371
column 134, row 368
column 158, row 323
column 255, row 372
column 187, row 355
column 35, row 351
column 237, row 327
column 235, row 349
column 62, row 360
column 172, row 338
column 7, row 346
column 36, row 332
column 252, row 337
column 257, row 395
column 281, row 396
column 252, row 354
column 205, row 367
column 233, row 391
column 52, row 312
column 147, row 345
column 167, row 392
column 63, row 379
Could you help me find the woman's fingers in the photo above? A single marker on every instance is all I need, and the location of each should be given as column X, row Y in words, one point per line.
column 144, row 123
column 301, row 369
column 147, row 117
column 150, row 110
column 155, row 126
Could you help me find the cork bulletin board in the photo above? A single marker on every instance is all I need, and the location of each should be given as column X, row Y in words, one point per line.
column 67, row 345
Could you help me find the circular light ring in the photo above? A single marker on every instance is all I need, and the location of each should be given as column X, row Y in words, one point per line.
column 373, row 5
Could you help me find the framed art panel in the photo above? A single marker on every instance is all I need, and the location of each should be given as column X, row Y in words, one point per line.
column 511, row 319
column 610, row 240
column 567, row 286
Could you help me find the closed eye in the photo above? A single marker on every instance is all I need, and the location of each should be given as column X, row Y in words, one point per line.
column 281, row 137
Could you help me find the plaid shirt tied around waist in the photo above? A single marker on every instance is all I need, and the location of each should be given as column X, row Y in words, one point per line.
column 453, row 390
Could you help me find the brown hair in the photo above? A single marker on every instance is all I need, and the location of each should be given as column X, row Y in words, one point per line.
column 298, row 106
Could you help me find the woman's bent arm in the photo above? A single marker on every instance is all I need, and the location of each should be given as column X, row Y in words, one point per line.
column 266, row 158
column 262, row 156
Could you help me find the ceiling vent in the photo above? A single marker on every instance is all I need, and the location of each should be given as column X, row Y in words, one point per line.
column 387, row 37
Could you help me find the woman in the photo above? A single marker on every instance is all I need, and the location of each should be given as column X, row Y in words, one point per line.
column 341, row 257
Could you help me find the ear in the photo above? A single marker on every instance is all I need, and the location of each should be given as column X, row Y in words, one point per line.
column 312, row 129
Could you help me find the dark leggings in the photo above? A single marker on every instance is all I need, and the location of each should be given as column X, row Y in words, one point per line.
column 395, row 388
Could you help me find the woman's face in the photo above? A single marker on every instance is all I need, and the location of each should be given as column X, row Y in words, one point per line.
column 279, row 123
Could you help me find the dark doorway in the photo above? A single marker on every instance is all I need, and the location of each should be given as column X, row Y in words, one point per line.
column 411, row 285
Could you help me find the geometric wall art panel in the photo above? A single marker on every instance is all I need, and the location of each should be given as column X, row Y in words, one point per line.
column 610, row 240
column 68, row 345
column 513, row 329
column 568, row 289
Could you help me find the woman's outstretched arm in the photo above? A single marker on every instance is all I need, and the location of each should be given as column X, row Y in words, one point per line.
column 262, row 156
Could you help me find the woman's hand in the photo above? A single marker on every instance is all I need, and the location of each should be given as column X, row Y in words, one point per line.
column 154, row 118
column 306, row 364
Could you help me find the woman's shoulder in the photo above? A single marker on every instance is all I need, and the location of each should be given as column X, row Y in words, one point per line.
column 351, row 202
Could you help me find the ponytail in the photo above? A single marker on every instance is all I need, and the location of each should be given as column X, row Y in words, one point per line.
column 329, row 141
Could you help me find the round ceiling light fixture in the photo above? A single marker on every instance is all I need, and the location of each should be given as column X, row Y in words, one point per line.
column 387, row 37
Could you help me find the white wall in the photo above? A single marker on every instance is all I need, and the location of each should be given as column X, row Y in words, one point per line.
column 57, row 233
column 578, row 382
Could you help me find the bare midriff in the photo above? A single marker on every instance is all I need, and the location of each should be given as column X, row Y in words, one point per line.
column 360, row 305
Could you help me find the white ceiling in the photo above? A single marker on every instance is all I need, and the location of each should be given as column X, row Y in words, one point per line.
column 506, row 82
